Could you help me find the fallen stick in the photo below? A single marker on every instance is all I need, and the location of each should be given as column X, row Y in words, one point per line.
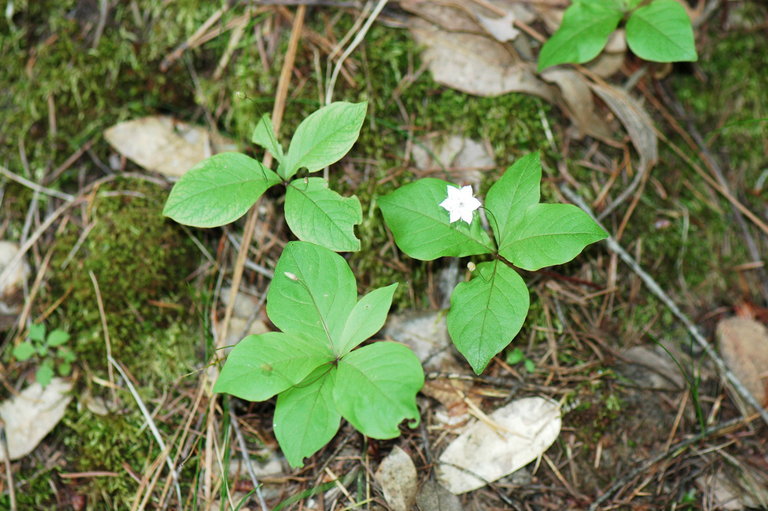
column 654, row 287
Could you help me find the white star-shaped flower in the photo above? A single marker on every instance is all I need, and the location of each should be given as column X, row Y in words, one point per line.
column 460, row 203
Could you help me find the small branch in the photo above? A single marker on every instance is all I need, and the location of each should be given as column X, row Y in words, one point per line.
column 673, row 451
column 152, row 427
column 247, row 459
column 654, row 287
column 8, row 471
column 34, row 186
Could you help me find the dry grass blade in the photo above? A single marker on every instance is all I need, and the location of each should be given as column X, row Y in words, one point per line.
column 151, row 425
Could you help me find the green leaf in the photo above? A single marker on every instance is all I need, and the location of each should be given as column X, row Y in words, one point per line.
column 549, row 234
column 512, row 194
column 529, row 365
column 319, row 215
column 37, row 332
column 44, row 375
column 661, row 32
column 487, row 312
column 422, row 228
column 316, row 304
column 305, row 416
column 66, row 354
column 585, row 29
column 325, row 137
column 264, row 135
column 366, row 318
column 218, row 190
column 515, row 356
column 261, row 366
column 23, row 351
column 57, row 337
column 64, row 369
column 376, row 388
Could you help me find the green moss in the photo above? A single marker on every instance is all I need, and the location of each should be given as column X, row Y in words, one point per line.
column 140, row 261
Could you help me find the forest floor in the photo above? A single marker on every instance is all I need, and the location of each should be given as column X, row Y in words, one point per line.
column 648, row 418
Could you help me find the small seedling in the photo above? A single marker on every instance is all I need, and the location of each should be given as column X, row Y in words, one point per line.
column 658, row 31
column 516, row 356
column 49, row 349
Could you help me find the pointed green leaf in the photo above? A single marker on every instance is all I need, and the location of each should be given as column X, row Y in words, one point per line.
column 376, row 388
column 37, row 332
column 57, row 337
column 325, row 137
column 44, row 374
column 65, row 368
column 366, row 318
column 312, row 293
column 264, row 135
column 487, row 312
column 661, row 32
column 512, row 194
column 422, row 228
column 585, row 29
column 23, row 351
column 305, row 416
column 261, row 366
column 319, row 215
column 550, row 234
column 218, row 190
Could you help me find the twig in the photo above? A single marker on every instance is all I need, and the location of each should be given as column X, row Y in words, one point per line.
column 654, row 287
column 247, row 459
column 33, row 238
column 673, row 451
column 696, row 141
column 107, row 341
column 179, row 50
column 355, row 42
column 34, row 186
column 250, row 225
column 8, row 471
column 150, row 423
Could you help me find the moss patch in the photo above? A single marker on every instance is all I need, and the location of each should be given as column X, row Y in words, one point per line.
column 140, row 261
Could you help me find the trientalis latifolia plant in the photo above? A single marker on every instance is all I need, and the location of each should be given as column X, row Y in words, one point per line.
column 657, row 30
column 222, row 188
column 431, row 218
column 314, row 364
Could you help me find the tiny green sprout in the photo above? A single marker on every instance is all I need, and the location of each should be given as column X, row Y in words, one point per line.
column 516, row 356
column 51, row 351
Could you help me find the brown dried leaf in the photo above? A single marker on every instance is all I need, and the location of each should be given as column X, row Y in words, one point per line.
column 470, row 63
column 743, row 343
column 519, row 433
column 397, row 476
column 635, row 119
column 578, row 102
column 434, row 497
column 165, row 145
